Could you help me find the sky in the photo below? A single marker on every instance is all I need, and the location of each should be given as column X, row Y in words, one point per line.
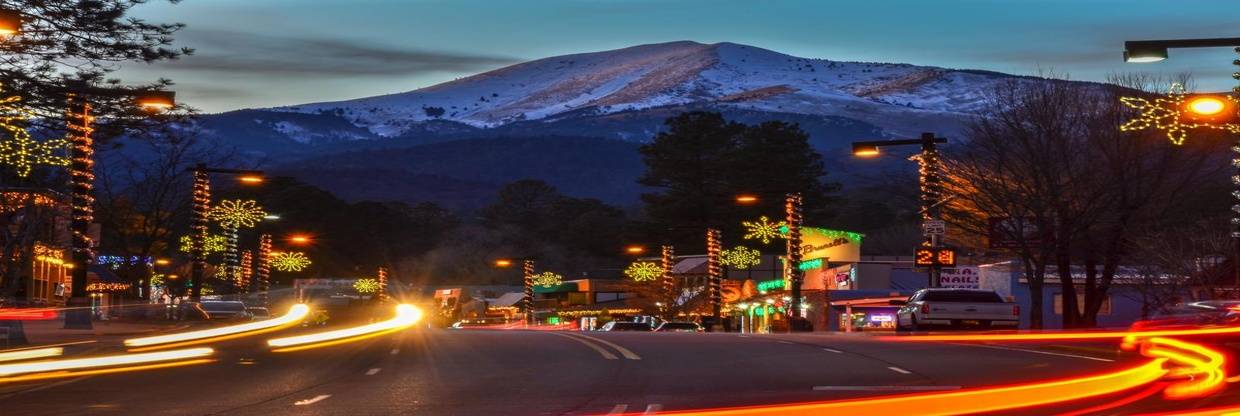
column 264, row 53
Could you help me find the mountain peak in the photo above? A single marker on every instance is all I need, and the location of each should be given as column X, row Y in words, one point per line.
column 677, row 73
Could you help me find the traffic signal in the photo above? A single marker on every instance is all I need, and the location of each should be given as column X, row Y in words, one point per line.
column 1208, row 109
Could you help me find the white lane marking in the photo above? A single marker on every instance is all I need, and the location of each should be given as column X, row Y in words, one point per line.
column 786, row 342
column 597, row 348
column 744, row 336
column 623, row 351
column 395, row 351
column 373, row 371
column 1059, row 354
column 316, row 399
column 899, row 370
column 620, row 408
column 833, row 350
column 652, row 409
column 885, row 388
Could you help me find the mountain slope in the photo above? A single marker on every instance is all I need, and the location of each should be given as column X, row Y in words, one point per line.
column 900, row 98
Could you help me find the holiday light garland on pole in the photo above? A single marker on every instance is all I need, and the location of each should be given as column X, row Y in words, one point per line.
column 381, row 274
column 200, row 205
column 714, row 272
column 263, row 268
column 232, row 215
column 82, row 183
column 793, row 203
column 666, row 261
column 247, row 271
column 21, row 151
column 527, row 302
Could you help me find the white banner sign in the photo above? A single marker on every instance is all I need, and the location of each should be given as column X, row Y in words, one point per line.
column 964, row 277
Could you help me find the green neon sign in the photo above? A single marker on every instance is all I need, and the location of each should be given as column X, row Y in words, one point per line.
column 770, row 285
column 810, row 264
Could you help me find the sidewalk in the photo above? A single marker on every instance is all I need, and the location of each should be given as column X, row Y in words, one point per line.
column 53, row 331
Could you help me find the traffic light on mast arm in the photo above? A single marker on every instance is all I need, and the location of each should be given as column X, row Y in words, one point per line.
column 1209, row 109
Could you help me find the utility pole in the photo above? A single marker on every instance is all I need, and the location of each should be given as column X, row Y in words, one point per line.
column 666, row 262
column 714, row 271
column 931, row 193
column 527, row 271
column 793, row 206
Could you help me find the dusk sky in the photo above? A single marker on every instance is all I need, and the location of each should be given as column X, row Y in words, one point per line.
column 280, row 52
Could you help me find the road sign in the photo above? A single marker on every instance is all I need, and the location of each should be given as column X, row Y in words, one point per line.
column 933, row 227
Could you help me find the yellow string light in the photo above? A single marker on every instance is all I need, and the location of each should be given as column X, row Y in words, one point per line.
column 1166, row 114
column 21, row 151
column 762, row 229
column 548, row 279
column 741, row 257
column 641, row 271
column 366, row 286
column 212, row 244
column 289, row 261
column 236, row 213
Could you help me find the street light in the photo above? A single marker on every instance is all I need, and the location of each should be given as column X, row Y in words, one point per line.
column 928, row 178
column 300, row 239
column 79, row 126
column 635, row 249
column 200, row 208
column 1203, row 108
column 527, row 275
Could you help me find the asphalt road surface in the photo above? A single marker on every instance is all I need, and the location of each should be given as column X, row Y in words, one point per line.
column 514, row 372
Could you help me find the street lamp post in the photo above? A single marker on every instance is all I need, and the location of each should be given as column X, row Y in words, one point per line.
column 82, row 183
column 1145, row 51
column 929, row 178
column 200, row 215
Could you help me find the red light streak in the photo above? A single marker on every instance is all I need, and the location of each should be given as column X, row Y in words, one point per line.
column 27, row 314
column 977, row 400
column 1067, row 336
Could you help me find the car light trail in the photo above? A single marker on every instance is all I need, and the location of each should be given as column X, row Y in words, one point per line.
column 63, row 374
column 978, row 400
column 295, row 314
column 406, row 316
column 1200, row 366
column 7, row 370
column 31, row 354
column 1070, row 336
column 27, row 314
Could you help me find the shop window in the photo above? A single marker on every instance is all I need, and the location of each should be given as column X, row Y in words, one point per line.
column 1080, row 304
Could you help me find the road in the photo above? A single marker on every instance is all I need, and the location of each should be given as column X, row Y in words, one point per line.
column 514, row 372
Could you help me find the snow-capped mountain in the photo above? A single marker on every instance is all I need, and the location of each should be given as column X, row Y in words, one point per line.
column 899, row 98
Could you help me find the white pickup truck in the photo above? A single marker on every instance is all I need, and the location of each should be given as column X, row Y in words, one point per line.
column 955, row 308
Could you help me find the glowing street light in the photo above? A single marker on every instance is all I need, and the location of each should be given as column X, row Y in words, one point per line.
column 503, row 263
column 861, row 149
column 299, row 239
column 155, row 100
column 635, row 249
column 746, row 199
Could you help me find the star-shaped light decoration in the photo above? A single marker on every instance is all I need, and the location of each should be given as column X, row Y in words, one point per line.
column 763, row 229
column 366, row 286
column 21, row 151
column 740, row 257
column 291, row 261
column 548, row 279
column 641, row 271
column 236, row 213
column 1165, row 113
column 213, row 244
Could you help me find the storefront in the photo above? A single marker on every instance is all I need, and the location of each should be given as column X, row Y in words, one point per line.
column 869, row 313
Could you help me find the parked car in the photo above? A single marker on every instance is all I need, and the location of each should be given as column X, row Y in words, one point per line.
column 955, row 308
column 225, row 309
column 190, row 311
column 616, row 326
column 678, row 327
column 1194, row 315
column 258, row 313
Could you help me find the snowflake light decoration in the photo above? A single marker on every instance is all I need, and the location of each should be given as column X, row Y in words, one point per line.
column 548, row 279
column 740, row 257
column 236, row 213
column 763, row 229
column 1166, row 114
column 291, row 261
column 21, row 151
column 213, row 244
column 641, row 271
column 366, row 285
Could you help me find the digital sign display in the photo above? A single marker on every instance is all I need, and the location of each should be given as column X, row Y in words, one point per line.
column 934, row 256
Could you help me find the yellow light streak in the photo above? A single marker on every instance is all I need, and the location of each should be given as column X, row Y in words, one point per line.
column 31, row 354
column 406, row 316
column 104, row 361
column 63, row 374
column 295, row 314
